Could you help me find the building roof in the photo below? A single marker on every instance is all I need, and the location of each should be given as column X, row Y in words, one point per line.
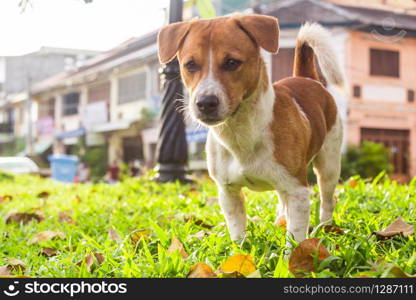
column 296, row 12
column 97, row 63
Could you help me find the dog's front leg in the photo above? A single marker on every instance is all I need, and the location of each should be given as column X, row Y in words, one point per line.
column 231, row 200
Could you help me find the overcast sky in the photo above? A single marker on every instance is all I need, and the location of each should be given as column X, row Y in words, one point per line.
column 99, row 25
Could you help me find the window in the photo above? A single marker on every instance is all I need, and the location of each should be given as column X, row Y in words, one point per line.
column 47, row 108
column 70, row 104
column 99, row 92
column 132, row 88
column 410, row 96
column 384, row 63
column 357, row 91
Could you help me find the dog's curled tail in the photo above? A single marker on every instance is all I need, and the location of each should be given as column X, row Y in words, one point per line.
column 313, row 40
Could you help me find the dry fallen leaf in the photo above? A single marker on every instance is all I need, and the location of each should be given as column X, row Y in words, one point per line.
column 302, row 257
column 201, row 270
column 398, row 272
column 24, row 218
column 49, row 252
column 43, row 194
column 333, row 229
column 45, row 236
column 200, row 235
column 238, row 265
column 112, row 235
column 176, row 245
column 89, row 260
column 5, row 271
column 5, row 198
column 64, row 217
column 139, row 234
column 16, row 265
column 398, row 227
column 197, row 222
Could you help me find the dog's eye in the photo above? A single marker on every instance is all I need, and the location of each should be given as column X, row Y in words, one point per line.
column 231, row 64
column 192, row 66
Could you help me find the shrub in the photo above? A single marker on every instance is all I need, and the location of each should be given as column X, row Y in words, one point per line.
column 366, row 160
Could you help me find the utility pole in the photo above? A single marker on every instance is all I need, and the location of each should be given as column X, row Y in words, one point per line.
column 172, row 148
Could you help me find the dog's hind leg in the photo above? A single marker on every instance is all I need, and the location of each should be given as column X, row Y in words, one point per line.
column 327, row 167
column 231, row 200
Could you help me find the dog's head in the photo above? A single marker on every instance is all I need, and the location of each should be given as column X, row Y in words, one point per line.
column 219, row 60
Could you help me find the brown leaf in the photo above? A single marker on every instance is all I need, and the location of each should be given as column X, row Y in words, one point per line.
column 301, row 259
column 112, row 235
column 5, row 271
column 99, row 257
column 77, row 199
column 5, row 198
column 333, row 229
column 24, row 218
column 44, row 194
column 139, row 234
column 14, row 266
column 353, row 183
column 398, row 227
column 64, row 217
column 238, row 265
column 176, row 245
column 45, row 236
column 201, row 270
column 49, row 252
column 200, row 235
column 89, row 260
column 197, row 222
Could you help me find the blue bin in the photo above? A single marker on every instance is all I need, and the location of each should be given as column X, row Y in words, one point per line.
column 64, row 167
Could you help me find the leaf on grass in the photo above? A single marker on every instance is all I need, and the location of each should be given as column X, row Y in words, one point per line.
column 201, row 270
column 398, row 272
column 49, row 252
column 281, row 222
column 197, row 222
column 5, row 198
column 238, row 266
column 44, row 194
column 200, row 235
column 112, row 235
column 333, row 229
column 139, row 234
column 89, row 260
column 77, row 199
column 16, row 265
column 176, row 245
column 302, row 257
column 398, row 227
column 24, row 218
column 65, row 217
column 46, row 236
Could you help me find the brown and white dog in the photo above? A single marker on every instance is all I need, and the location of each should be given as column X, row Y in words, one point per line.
column 261, row 135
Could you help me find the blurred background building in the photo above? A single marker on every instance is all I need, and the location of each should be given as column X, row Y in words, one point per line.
column 104, row 106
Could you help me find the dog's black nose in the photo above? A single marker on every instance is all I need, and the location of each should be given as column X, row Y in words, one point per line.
column 207, row 104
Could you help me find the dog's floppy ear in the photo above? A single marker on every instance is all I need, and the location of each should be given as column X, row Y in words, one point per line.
column 264, row 30
column 169, row 40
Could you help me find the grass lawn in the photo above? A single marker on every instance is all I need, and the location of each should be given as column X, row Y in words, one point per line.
column 182, row 211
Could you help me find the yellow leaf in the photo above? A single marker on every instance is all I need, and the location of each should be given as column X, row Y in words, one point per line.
column 139, row 234
column 201, row 270
column 239, row 263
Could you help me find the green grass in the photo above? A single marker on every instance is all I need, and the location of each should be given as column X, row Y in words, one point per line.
column 143, row 204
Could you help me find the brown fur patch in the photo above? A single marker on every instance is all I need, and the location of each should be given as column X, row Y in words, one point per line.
column 296, row 142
